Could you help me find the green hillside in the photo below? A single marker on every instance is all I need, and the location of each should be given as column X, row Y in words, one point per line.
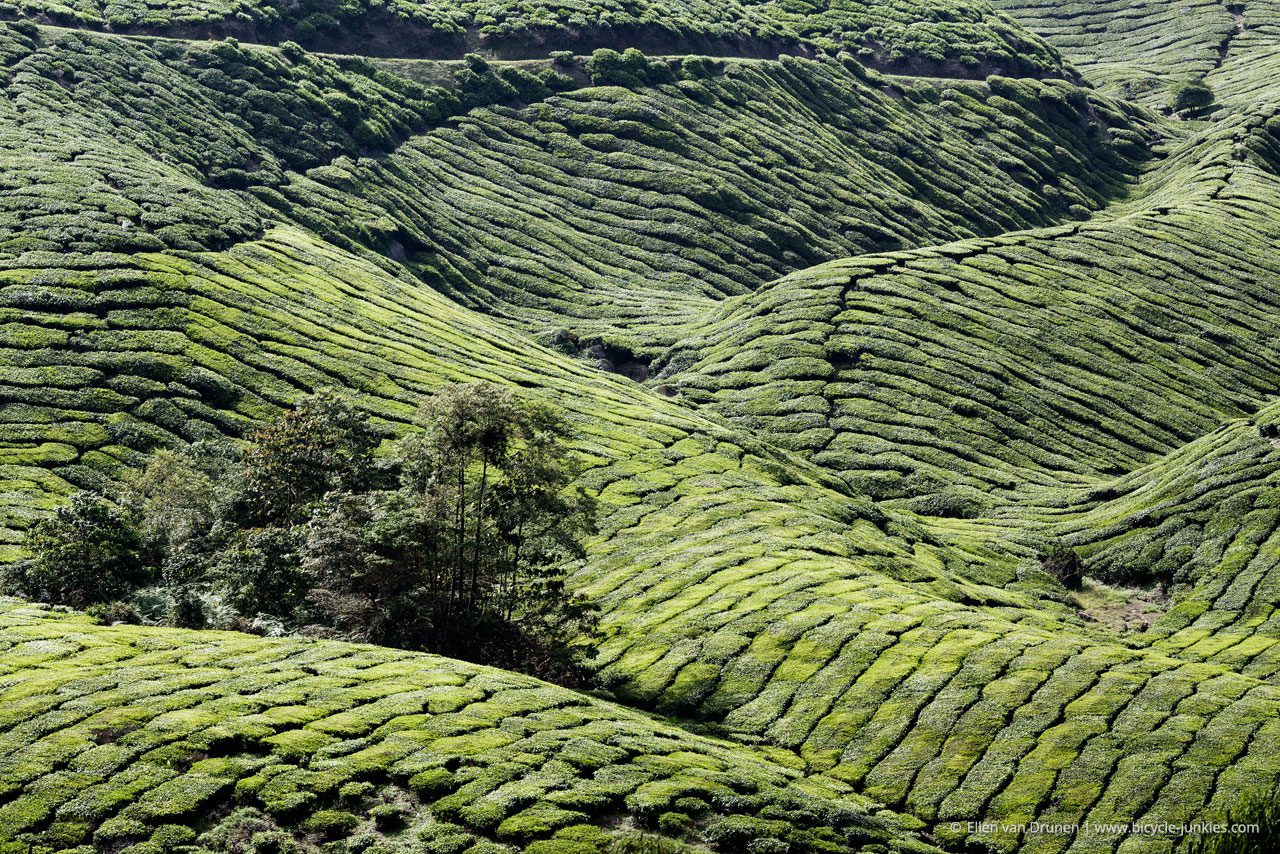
column 156, row 739
column 973, row 39
column 1139, row 47
column 858, row 312
column 992, row 364
column 158, row 360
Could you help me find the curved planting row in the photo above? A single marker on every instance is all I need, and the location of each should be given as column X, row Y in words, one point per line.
column 991, row 392
column 970, row 39
column 150, row 739
column 626, row 212
column 1140, row 49
column 953, row 376
column 1201, row 521
column 574, row 206
column 885, row 663
column 737, row 576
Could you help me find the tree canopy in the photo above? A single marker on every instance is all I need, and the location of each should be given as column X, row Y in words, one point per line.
column 455, row 541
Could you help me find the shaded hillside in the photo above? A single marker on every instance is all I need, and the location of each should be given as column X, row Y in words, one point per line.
column 971, row 40
column 605, row 210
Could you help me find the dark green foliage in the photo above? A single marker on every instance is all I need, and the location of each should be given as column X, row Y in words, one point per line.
column 239, row 519
column 466, row 558
column 111, row 613
column 488, row 481
column 465, row 555
column 321, row 445
column 86, row 553
column 1192, row 96
column 306, row 110
column 257, row 570
column 644, row 843
column 969, row 39
column 1253, row 825
column 631, row 68
column 1064, row 564
column 176, row 499
column 331, row 824
column 367, row 570
column 187, row 611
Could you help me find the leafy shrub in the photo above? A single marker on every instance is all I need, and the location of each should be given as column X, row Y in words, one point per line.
column 458, row 544
column 647, row 843
column 631, row 69
column 1064, row 564
column 331, row 823
column 1192, row 96
column 389, row 816
column 1257, row 821
column 187, row 611
column 88, row 552
column 112, row 613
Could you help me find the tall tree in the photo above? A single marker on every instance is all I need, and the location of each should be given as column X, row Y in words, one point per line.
column 468, row 555
column 321, row 445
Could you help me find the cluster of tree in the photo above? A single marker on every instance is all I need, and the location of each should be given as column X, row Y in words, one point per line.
column 455, row 542
column 1192, row 97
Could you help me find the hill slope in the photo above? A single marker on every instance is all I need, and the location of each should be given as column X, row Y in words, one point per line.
column 970, row 40
column 1034, row 356
column 825, row 482
column 123, row 737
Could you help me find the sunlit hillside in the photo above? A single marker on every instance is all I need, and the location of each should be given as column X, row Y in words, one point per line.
column 862, row 316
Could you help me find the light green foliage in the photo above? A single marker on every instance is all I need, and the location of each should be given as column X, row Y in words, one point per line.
column 908, row 332
column 1251, row 827
column 188, row 693
column 1137, row 48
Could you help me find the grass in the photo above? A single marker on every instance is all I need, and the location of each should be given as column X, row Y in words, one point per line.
column 1120, row 608
column 1251, row 826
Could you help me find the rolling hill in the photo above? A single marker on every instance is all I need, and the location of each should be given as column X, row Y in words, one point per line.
column 857, row 309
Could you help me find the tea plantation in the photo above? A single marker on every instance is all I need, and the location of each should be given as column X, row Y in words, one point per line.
column 156, row 739
column 858, row 311
column 972, row 39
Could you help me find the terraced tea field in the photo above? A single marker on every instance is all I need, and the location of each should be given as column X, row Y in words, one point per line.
column 857, row 310
column 127, row 737
column 972, row 40
column 1136, row 46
